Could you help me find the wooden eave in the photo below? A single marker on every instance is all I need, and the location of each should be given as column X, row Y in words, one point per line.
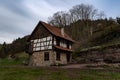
column 64, row 49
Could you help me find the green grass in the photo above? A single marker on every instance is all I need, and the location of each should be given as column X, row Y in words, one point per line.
column 9, row 62
column 47, row 73
column 20, row 59
column 14, row 70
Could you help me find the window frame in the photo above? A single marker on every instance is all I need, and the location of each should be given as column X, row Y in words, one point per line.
column 46, row 56
column 58, row 56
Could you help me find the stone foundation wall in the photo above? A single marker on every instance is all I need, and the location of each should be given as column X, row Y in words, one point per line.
column 108, row 55
column 37, row 59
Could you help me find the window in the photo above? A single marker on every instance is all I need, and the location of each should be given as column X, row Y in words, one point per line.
column 70, row 46
column 54, row 42
column 46, row 56
column 58, row 56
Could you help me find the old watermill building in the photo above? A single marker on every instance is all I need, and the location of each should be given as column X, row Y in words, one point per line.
column 49, row 45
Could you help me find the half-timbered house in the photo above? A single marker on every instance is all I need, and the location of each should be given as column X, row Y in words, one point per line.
column 48, row 45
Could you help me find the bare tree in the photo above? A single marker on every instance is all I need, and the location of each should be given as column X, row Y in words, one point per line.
column 60, row 19
column 79, row 18
column 83, row 12
column 101, row 15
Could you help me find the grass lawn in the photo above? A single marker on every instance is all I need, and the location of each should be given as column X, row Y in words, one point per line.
column 14, row 70
column 47, row 73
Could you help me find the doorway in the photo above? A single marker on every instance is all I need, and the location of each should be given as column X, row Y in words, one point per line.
column 68, row 57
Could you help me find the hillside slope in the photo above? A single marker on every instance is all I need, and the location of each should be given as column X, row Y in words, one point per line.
column 110, row 35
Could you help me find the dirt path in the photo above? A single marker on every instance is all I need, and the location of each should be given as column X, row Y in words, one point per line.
column 75, row 66
column 95, row 66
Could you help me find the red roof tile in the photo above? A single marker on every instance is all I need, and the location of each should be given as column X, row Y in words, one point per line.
column 57, row 32
column 53, row 30
column 65, row 49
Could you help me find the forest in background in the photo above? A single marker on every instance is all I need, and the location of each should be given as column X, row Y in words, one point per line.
column 83, row 23
column 88, row 25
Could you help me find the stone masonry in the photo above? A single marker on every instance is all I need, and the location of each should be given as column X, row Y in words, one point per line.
column 37, row 59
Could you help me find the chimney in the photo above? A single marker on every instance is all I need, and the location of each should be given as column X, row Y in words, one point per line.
column 62, row 32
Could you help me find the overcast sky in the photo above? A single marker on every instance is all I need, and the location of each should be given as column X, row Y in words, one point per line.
column 19, row 17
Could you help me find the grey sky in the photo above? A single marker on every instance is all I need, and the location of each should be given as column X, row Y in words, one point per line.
column 19, row 17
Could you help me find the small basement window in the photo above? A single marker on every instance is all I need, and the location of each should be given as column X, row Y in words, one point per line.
column 46, row 56
column 58, row 56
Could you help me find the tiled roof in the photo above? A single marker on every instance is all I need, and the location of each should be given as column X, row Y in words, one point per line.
column 56, row 31
column 65, row 49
